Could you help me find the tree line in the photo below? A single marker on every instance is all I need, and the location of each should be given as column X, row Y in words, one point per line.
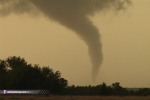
column 115, row 89
column 17, row 74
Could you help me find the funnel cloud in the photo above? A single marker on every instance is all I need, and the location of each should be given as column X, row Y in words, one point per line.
column 74, row 15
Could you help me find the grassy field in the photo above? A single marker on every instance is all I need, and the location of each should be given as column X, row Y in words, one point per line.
column 73, row 98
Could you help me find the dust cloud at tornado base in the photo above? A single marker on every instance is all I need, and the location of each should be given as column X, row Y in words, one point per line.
column 74, row 15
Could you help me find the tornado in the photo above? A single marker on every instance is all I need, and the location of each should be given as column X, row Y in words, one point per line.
column 72, row 14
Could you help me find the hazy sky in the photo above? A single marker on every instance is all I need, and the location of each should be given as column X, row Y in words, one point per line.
column 125, row 45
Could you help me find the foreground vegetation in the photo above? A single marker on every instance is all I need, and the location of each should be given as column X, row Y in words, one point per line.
column 74, row 98
column 17, row 74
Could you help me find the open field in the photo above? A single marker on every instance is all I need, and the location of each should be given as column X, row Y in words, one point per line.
column 73, row 97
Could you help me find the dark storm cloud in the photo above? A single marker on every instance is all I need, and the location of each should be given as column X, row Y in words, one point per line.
column 72, row 14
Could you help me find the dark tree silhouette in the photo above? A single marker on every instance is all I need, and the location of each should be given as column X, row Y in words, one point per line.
column 118, row 90
column 3, row 74
column 16, row 73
